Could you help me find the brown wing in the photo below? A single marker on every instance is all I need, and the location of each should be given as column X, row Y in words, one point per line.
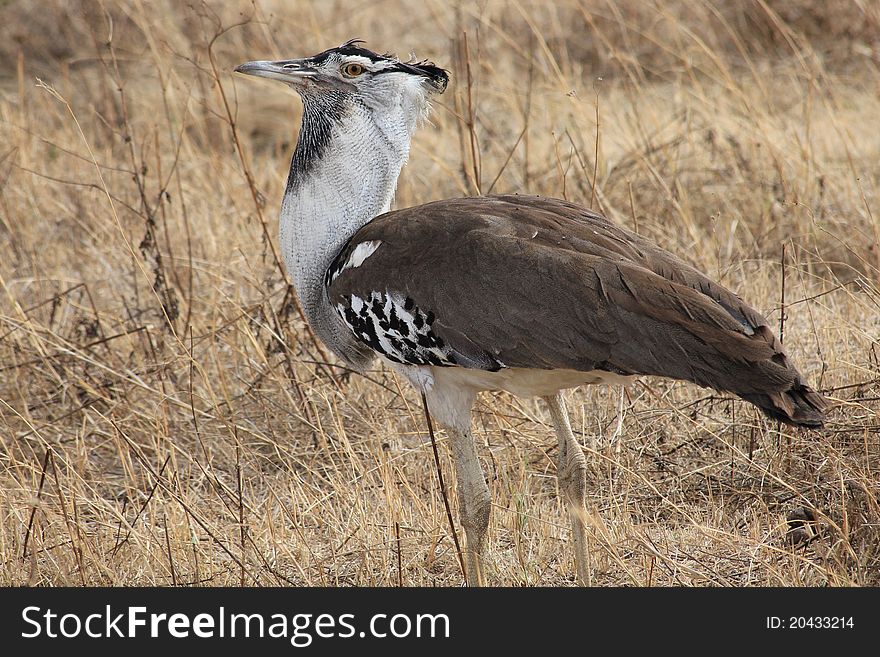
column 525, row 281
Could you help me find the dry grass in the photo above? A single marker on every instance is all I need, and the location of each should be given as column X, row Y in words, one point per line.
column 165, row 419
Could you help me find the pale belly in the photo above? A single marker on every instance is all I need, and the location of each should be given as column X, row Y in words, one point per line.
column 522, row 382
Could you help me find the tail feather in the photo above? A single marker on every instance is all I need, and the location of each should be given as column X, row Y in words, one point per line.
column 799, row 406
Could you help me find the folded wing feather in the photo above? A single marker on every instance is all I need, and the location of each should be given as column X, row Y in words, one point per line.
column 534, row 282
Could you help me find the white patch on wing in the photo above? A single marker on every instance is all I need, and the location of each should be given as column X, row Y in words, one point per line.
column 360, row 253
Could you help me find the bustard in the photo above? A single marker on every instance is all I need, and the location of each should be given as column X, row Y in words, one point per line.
column 526, row 294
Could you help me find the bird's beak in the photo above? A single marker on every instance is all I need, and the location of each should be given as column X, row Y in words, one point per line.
column 292, row 71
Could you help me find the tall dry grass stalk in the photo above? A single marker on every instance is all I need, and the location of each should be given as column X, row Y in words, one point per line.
column 166, row 419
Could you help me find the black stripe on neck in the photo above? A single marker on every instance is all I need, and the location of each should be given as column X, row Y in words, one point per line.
column 320, row 113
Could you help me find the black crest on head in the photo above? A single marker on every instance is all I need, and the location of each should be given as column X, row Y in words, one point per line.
column 438, row 76
column 348, row 49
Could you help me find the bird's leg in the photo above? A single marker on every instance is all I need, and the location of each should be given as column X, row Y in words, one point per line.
column 572, row 475
column 474, row 501
column 450, row 404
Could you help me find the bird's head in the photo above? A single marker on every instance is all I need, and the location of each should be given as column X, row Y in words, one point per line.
column 351, row 74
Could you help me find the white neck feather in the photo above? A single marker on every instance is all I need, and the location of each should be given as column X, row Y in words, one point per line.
column 352, row 182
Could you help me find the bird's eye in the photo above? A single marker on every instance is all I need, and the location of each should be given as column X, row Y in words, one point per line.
column 353, row 70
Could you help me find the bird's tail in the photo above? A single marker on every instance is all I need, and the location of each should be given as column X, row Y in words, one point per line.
column 799, row 406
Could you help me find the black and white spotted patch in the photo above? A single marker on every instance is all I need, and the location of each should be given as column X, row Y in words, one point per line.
column 396, row 328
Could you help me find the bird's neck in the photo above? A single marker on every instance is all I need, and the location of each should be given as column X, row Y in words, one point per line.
column 343, row 173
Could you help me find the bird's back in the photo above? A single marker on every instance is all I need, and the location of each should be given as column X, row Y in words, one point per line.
column 534, row 282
